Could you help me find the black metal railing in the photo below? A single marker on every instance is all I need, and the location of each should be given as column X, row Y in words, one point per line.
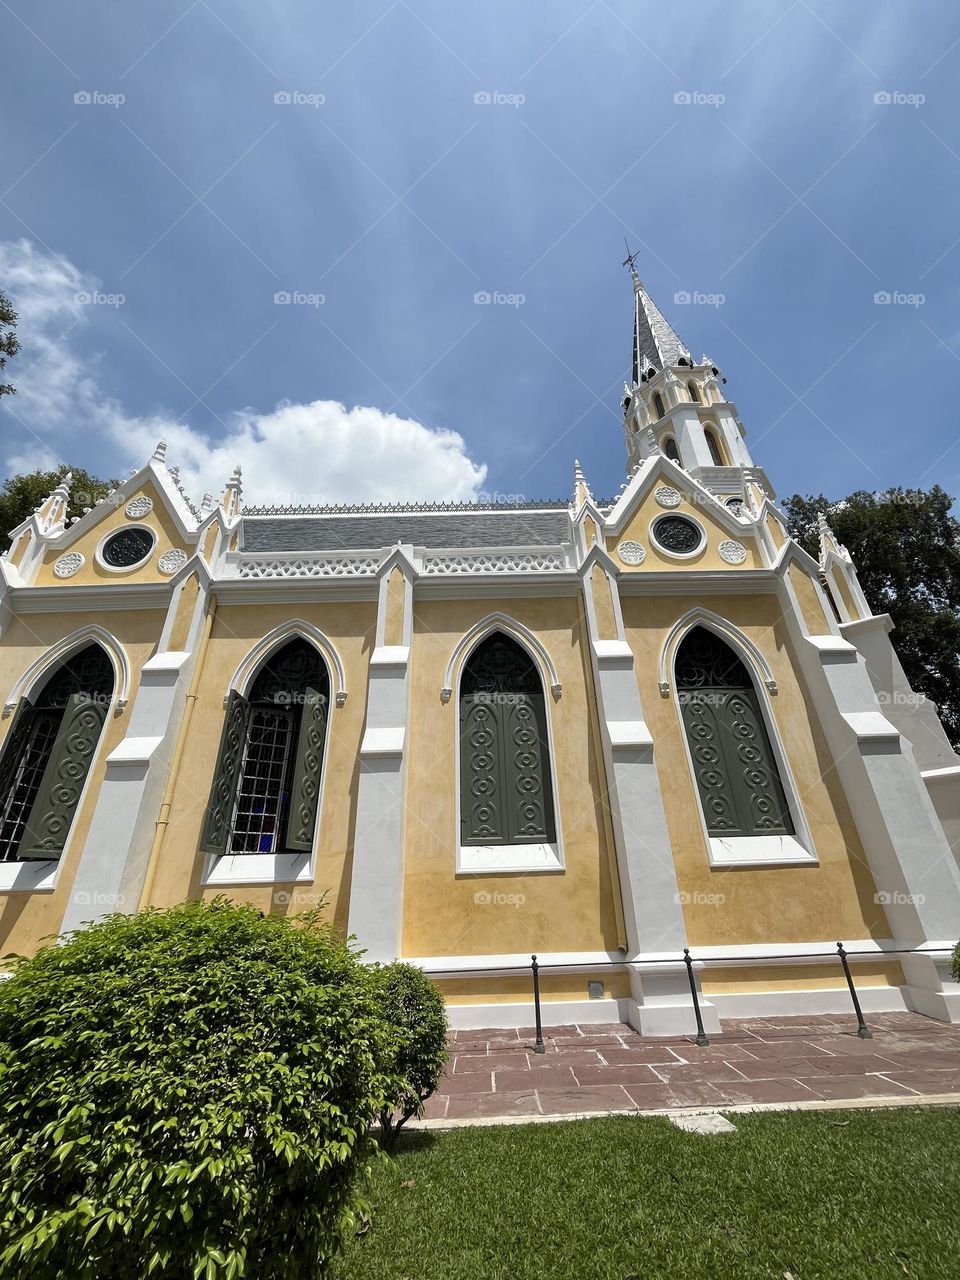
column 863, row 1031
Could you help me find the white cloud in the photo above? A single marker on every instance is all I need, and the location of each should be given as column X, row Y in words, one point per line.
column 298, row 453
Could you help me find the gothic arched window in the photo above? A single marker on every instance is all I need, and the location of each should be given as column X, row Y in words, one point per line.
column 714, row 447
column 658, row 405
column 694, row 391
column 266, row 786
column 671, row 450
column 733, row 764
column 47, row 756
column 505, row 793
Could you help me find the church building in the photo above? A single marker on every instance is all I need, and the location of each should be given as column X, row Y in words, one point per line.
column 598, row 730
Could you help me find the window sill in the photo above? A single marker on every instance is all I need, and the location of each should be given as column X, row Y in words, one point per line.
column 499, row 859
column 28, row 877
column 259, row 868
column 759, row 851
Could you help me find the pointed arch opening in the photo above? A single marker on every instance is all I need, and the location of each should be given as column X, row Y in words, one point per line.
column 506, row 792
column 747, row 799
column 265, row 796
column 48, row 753
column 713, row 444
column 671, row 451
column 694, row 392
column 658, row 405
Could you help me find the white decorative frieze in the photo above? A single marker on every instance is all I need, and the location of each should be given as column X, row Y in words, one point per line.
column 139, row 507
column 309, row 567
column 482, row 562
column 171, row 561
column 631, row 552
column 667, row 496
column 68, row 565
column 732, row 552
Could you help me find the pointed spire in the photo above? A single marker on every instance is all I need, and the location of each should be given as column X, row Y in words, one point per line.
column 655, row 343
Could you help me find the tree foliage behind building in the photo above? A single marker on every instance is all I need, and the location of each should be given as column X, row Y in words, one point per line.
column 22, row 494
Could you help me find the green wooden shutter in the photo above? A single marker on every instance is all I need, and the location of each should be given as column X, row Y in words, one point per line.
column 14, row 746
column 736, row 774
column 307, row 767
column 526, row 769
column 62, row 782
column 223, row 792
column 482, row 810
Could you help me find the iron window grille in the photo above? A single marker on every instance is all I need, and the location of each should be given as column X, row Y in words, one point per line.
column 28, row 755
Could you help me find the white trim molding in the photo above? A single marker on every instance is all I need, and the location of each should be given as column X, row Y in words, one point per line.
column 516, row 630
column 243, row 677
column 58, row 653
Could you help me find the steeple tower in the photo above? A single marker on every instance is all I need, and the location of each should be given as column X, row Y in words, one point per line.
column 677, row 405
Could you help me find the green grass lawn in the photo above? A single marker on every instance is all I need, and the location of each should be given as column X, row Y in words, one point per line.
column 827, row 1195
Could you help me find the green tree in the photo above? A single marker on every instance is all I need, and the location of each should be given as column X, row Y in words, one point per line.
column 9, row 344
column 22, row 494
column 187, row 1094
column 906, row 548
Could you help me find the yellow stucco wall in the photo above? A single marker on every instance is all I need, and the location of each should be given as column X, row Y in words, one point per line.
column 736, row 980
column 570, row 910
column 809, row 600
column 486, row 989
column 638, row 527
column 27, row 918
column 834, row 899
column 350, row 627
column 114, row 517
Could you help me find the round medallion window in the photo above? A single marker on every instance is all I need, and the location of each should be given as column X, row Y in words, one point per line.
column 678, row 534
column 735, row 505
column 126, row 548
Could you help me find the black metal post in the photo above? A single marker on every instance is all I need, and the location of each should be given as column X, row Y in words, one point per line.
column 538, row 1043
column 701, row 1034
column 863, row 1031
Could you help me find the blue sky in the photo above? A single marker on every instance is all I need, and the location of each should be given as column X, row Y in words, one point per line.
column 387, row 189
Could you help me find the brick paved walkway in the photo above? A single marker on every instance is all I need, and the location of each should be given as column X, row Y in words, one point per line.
column 759, row 1060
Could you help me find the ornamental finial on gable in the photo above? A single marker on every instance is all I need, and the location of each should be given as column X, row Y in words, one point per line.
column 160, row 452
column 233, row 493
column 581, row 489
column 52, row 512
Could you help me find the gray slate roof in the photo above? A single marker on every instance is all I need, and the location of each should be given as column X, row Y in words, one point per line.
column 509, row 528
column 654, row 340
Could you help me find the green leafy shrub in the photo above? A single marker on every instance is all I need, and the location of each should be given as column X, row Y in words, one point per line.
column 956, row 963
column 413, row 1009
column 187, row 1093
